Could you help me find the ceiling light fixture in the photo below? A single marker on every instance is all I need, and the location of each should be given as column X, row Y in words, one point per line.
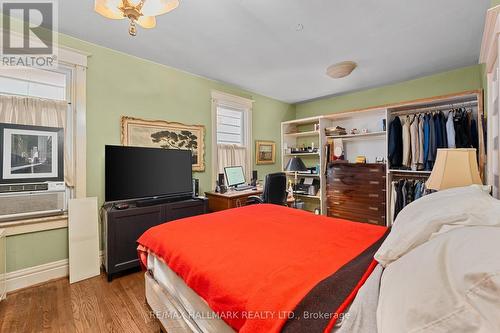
column 342, row 69
column 142, row 12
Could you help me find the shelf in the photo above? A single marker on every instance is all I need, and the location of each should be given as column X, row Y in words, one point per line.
column 307, row 196
column 292, row 174
column 357, row 136
column 302, row 134
column 410, row 171
column 303, row 154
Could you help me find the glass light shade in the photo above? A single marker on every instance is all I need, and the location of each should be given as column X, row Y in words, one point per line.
column 147, row 22
column 157, row 7
column 454, row 168
column 109, row 8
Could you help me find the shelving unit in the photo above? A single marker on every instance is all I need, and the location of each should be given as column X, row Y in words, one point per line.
column 373, row 144
column 299, row 133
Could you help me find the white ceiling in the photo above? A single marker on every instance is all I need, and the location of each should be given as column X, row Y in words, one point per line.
column 254, row 44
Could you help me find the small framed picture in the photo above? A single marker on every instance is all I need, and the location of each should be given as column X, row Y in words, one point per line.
column 265, row 152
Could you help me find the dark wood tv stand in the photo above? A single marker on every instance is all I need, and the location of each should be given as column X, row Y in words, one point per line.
column 122, row 228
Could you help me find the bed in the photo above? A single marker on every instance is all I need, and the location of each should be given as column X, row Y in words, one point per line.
column 236, row 270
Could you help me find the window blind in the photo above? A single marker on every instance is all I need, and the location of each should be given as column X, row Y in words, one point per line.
column 230, row 126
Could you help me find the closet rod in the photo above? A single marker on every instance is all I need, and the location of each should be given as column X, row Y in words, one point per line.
column 435, row 108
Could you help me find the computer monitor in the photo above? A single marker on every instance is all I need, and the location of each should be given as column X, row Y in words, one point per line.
column 234, row 175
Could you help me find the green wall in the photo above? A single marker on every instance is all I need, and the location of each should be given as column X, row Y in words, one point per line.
column 495, row 3
column 468, row 78
column 120, row 84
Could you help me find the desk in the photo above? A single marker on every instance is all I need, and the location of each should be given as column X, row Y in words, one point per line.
column 230, row 199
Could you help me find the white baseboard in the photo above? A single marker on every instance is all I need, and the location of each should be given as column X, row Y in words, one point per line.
column 38, row 274
column 35, row 275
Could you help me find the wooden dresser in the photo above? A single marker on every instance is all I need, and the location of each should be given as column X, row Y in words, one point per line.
column 356, row 192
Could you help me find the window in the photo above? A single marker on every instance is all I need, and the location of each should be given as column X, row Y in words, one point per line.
column 232, row 129
column 230, row 126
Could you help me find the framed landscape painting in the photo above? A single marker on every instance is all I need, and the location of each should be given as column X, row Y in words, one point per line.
column 167, row 135
column 265, row 151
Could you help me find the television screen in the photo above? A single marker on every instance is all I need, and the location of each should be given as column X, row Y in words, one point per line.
column 136, row 172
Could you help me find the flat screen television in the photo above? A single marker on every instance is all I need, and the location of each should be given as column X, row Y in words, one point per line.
column 140, row 173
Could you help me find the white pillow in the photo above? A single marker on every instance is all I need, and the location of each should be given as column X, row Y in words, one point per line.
column 449, row 284
column 417, row 222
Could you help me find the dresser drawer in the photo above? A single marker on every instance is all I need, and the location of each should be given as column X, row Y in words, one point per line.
column 356, row 180
column 352, row 216
column 346, row 204
column 351, row 193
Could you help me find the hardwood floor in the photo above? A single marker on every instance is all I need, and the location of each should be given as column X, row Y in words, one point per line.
column 93, row 305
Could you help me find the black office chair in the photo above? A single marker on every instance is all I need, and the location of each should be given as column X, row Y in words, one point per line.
column 274, row 191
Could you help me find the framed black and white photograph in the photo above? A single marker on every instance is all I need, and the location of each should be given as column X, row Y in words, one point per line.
column 31, row 153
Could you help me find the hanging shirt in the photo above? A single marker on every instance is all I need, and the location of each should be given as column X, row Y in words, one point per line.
column 426, row 139
column 415, row 152
column 406, row 143
column 450, row 130
column 420, row 165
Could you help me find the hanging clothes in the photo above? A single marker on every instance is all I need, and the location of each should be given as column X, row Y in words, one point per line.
column 437, row 130
column 415, row 145
column 460, row 125
column 426, row 139
column 406, row 143
column 420, row 165
column 474, row 134
column 444, row 136
column 431, row 157
column 404, row 192
column 450, row 130
column 395, row 153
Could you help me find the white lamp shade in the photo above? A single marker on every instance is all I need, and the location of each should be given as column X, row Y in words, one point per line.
column 454, row 168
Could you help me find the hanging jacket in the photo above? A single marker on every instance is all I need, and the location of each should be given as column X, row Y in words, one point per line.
column 426, row 139
column 431, row 156
column 444, row 137
column 395, row 153
column 406, row 143
column 460, row 124
column 415, row 152
column 437, row 130
column 420, row 164
column 450, row 130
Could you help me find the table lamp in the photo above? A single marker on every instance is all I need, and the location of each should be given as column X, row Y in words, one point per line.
column 295, row 164
column 454, row 168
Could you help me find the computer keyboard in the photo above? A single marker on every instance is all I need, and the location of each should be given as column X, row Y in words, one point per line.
column 244, row 187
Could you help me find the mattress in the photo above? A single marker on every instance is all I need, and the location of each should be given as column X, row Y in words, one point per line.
column 200, row 314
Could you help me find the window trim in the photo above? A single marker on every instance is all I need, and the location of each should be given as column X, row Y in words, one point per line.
column 76, row 60
column 220, row 98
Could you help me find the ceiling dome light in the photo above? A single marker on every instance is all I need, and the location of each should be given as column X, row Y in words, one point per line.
column 142, row 12
column 342, row 69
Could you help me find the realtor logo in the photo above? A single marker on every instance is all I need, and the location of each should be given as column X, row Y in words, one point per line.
column 29, row 33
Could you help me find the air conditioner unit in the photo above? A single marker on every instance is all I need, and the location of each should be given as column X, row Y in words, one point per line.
column 21, row 201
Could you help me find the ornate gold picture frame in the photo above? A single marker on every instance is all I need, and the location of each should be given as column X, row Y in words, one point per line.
column 167, row 135
column 265, row 152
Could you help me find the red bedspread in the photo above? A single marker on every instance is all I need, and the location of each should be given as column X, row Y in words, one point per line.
column 253, row 265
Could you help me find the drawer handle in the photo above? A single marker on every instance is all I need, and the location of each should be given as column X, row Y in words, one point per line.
column 336, row 191
column 371, row 195
column 373, row 221
column 336, row 179
column 374, row 182
column 373, row 208
column 336, row 203
column 373, row 170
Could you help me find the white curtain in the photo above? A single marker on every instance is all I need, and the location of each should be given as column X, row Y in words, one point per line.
column 39, row 112
column 232, row 155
